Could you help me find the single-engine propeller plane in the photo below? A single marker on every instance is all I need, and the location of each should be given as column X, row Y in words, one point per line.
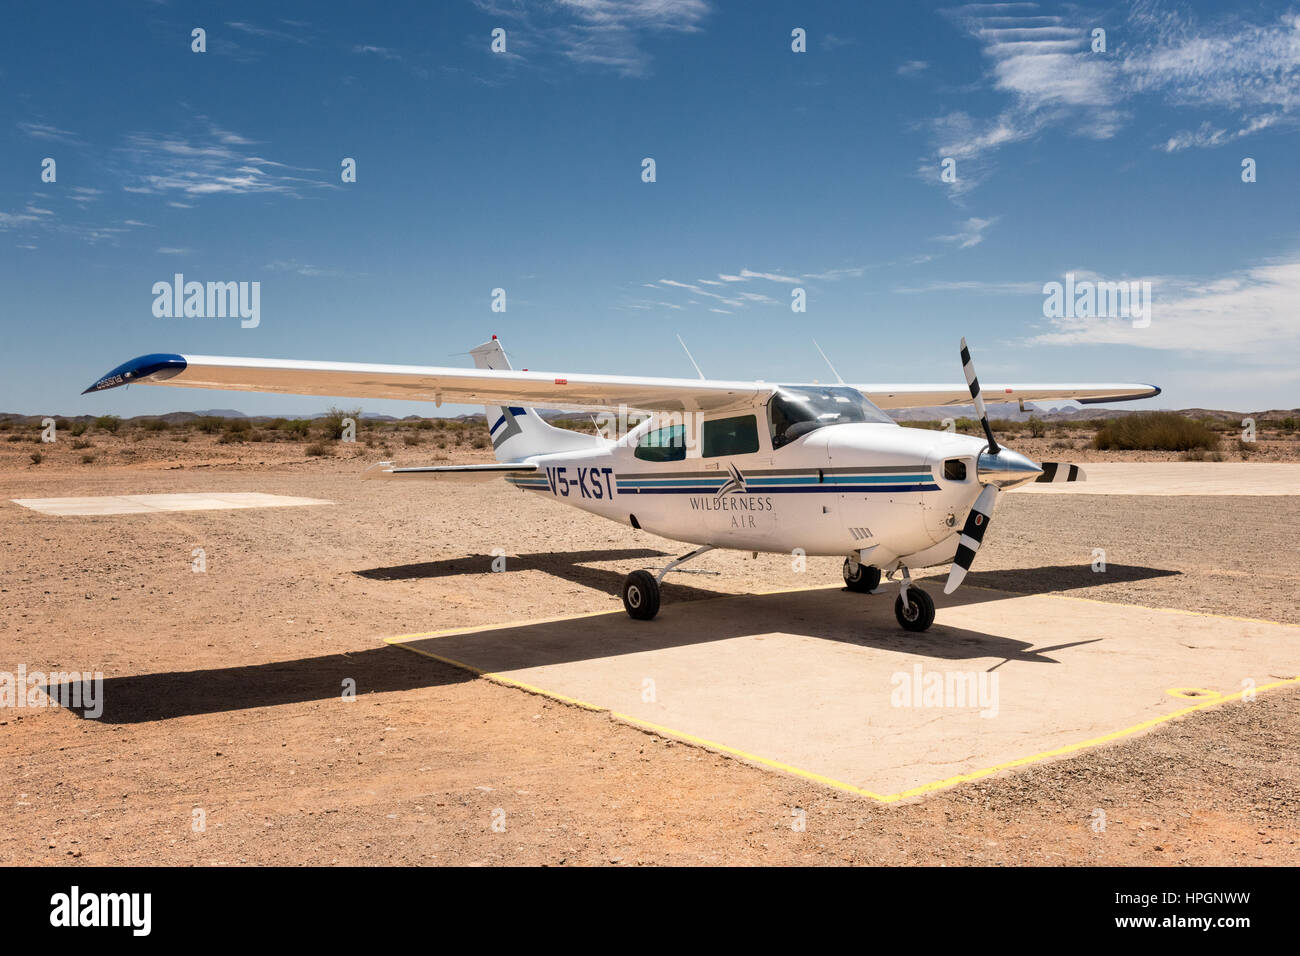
column 750, row 466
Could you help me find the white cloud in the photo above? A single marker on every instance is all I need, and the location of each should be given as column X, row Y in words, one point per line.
column 769, row 276
column 600, row 33
column 47, row 132
column 969, row 233
column 1046, row 67
column 206, row 164
column 1249, row 313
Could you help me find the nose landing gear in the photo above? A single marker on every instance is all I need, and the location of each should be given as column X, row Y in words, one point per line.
column 913, row 608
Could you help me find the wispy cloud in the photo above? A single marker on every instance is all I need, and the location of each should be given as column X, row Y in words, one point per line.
column 1046, row 66
column 207, row 163
column 599, row 33
column 253, row 29
column 1249, row 313
column 300, row 268
column 45, row 131
column 969, row 233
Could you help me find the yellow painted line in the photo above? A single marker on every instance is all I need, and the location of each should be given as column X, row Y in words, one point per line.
column 1083, row 745
column 403, row 641
column 627, row 718
column 497, row 678
column 736, row 752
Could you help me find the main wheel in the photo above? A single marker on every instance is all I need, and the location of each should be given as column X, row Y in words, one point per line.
column 641, row 595
column 919, row 613
column 863, row 580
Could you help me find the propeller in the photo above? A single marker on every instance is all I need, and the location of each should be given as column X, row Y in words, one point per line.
column 996, row 468
column 1056, row 471
column 968, row 367
column 972, row 536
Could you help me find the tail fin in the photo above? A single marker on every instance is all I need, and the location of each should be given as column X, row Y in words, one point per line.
column 519, row 433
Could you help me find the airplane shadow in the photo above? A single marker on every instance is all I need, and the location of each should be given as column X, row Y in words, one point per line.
column 148, row 697
column 829, row 613
column 567, row 565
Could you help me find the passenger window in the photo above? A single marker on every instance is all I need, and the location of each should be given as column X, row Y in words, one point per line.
column 663, row 444
column 730, row 436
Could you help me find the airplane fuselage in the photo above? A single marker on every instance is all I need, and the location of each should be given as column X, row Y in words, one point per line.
column 885, row 492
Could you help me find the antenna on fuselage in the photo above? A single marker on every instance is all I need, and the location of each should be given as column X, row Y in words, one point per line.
column 828, row 362
column 690, row 356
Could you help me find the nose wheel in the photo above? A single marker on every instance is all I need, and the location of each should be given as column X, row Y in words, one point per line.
column 917, row 613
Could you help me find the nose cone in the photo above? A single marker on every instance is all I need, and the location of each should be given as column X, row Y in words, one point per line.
column 1006, row 469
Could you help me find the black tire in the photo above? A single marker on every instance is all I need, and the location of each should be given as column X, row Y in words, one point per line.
column 920, row 611
column 641, row 595
column 867, row 579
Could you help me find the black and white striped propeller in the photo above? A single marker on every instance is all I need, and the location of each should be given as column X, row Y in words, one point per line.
column 997, row 466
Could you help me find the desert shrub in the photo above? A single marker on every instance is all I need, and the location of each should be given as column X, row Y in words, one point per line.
column 154, row 425
column 333, row 420
column 1200, row 454
column 108, row 423
column 424, row 425
column 77, row 429
column 208, row 424
column 480, row 441
column 317, row 449
column 1037, row 428
column 1154, row 431
column 81, row 443
column 37, row 458
column 87, row 458
column 14, row 438
column 411, row 440
column 236, row 430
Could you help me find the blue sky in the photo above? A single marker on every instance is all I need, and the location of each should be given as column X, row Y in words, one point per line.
column 775, row 170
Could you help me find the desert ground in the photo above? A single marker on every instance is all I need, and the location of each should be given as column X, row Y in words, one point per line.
column 225, row 685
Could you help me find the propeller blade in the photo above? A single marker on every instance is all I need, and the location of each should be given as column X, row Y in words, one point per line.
column 968, row 367
column 1061, row 471
column 972, row 536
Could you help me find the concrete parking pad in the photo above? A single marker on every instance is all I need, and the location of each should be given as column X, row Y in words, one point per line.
column 1177, row 478
column 823, row 683
column 146, row 504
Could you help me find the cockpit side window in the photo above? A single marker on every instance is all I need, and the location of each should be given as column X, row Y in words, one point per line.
column 796, row 410
column 663, row 444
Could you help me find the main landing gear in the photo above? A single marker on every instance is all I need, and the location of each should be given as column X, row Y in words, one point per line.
column 641, row 588
column 860, row 577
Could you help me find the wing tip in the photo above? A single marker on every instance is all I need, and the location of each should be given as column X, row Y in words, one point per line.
column 1151, row 392
column 156, row 366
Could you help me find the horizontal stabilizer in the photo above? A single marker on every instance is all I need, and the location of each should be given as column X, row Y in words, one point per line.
column 386, row 469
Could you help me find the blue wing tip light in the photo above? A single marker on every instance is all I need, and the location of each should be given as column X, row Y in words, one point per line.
column 158, row 366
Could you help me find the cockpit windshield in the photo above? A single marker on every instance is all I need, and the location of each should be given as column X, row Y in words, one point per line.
column 799, row 409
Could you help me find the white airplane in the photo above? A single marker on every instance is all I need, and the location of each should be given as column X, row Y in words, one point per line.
column 745, row 465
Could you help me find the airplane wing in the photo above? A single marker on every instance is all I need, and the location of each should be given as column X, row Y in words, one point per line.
column 473, row 386
column 464, row 386
column 920, row 396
